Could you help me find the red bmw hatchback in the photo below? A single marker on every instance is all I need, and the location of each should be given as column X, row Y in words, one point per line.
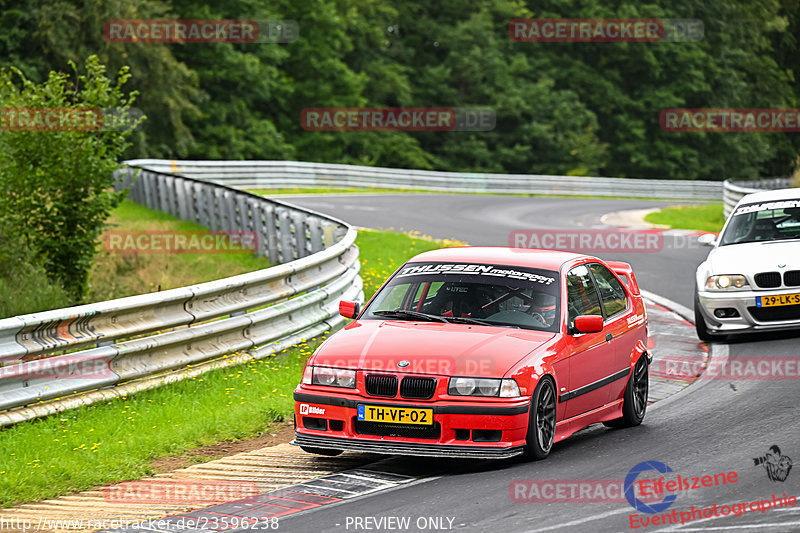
column 480, row 352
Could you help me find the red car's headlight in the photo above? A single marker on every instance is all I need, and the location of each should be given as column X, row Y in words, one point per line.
column 331, row 377
column 505, row 388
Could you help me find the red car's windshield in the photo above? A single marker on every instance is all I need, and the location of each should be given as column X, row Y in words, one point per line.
column 496, row 295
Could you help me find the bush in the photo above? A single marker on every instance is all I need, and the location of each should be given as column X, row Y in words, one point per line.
column 58, row 185
column 24, row 286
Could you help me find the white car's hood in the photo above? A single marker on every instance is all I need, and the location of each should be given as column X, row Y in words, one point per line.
column 754, row 257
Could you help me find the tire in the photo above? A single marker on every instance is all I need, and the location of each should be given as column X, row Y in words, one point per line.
column 634, row 405
column 700, row 325
column 541, row 421
column 321, row 451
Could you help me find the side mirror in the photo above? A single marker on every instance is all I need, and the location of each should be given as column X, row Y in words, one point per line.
column 588, row 323
column 707, row 239
column 349, row 309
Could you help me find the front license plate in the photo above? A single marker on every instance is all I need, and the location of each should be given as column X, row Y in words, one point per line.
column 395, row 415
column 774, row 301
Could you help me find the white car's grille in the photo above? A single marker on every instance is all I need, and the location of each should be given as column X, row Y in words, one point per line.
column 791, row 278
column 768, row 280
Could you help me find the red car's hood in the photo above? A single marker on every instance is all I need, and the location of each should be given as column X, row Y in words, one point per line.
column 429, row 348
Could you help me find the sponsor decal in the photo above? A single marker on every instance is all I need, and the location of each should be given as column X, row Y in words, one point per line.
column 780, row 204
column 636, row 320
column 306, row 409
column 474, row 269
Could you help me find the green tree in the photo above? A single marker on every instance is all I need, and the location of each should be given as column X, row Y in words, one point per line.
column 38, row 36
column 58, row 184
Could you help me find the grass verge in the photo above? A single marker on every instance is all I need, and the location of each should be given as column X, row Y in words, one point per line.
column 115, row 275
column 708, row 217
column 118, row 440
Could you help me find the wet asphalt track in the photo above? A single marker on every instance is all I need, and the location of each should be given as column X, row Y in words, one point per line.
column 713, row 427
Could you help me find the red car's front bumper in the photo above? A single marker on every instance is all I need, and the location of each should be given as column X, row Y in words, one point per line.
column 490, row 429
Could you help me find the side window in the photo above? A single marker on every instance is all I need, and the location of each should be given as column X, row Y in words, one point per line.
column 581, row 294
column 614, row 299
column 393, row 299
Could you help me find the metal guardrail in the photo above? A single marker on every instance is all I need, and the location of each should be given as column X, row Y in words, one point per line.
column 292, row 174
column 124, row 340
column 733, row 191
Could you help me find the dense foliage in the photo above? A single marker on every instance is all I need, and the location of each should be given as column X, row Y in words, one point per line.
column 57, row 184
column 562, row 108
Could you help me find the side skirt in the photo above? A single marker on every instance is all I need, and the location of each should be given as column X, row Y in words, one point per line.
column 567, row 427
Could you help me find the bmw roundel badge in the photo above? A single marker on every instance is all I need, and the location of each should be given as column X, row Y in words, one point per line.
column 403, row 364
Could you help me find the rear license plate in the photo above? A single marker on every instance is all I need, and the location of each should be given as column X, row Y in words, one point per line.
column 395, row 415
column 774, row 301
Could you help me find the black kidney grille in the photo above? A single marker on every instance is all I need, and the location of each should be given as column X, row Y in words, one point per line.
column 768, row 280
column 417, row 388
column 791, row 278
column 381, row 385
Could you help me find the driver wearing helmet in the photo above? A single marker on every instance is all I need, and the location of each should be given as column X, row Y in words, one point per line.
column 544, row 305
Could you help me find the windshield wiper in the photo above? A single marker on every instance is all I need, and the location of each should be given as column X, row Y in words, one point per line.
column 467, row 320
column 411, row 314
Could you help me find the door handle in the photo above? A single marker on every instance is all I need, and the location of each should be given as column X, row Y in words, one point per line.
column 609, row 336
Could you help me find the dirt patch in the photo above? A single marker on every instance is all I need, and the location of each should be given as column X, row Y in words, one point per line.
column 280, row 433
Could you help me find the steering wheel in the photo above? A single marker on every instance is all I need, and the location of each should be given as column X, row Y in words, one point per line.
column 539, row 316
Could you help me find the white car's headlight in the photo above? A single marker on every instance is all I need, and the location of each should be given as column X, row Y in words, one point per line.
column 504, row 388
column 331, row 377
column 726, row 282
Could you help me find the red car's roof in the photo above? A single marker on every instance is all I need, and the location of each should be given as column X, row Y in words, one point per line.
column 498, row 255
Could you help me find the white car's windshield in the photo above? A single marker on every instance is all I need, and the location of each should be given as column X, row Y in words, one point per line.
column 494, row 295
column 764, row 221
